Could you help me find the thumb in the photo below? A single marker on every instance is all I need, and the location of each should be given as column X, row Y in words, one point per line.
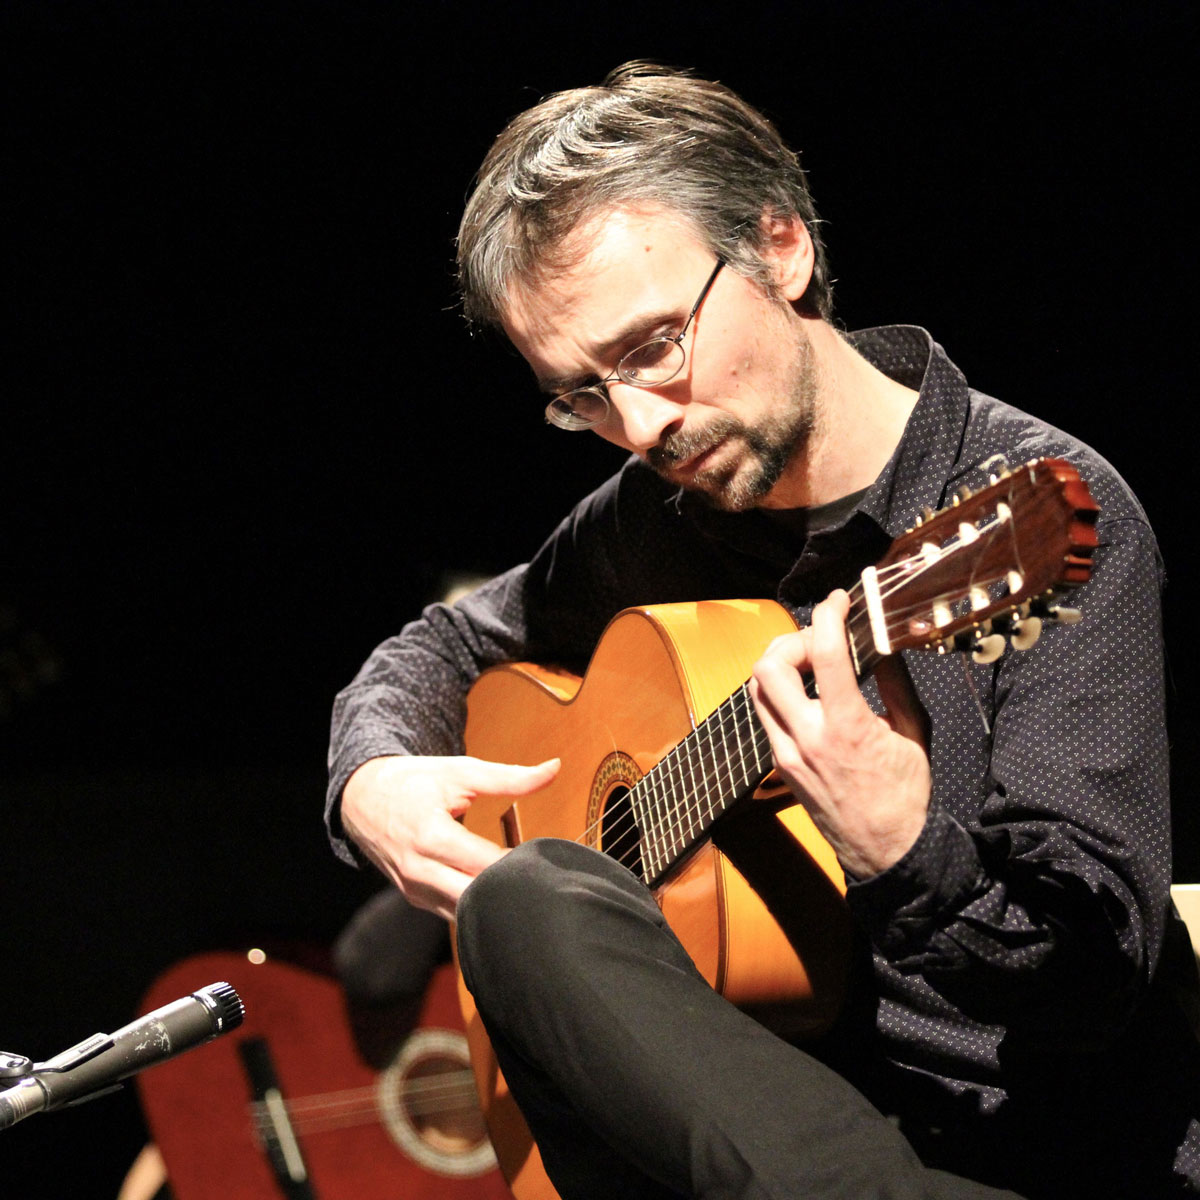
column 507, row 779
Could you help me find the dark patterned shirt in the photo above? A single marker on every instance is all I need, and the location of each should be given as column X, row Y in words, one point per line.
column 1014, row 1009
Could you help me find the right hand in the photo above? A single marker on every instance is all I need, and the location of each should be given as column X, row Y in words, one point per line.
column 403, row 812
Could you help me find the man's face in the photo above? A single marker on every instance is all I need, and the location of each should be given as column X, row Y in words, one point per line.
column 745, row 402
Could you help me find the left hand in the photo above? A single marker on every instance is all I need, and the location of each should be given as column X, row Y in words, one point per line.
column 864, row 779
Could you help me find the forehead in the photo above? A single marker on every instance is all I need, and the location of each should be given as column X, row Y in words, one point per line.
column 620, row 268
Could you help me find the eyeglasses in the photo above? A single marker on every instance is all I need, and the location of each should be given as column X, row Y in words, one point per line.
column 654, row 362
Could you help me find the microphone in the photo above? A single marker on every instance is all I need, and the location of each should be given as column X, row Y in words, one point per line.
column 99, row 1063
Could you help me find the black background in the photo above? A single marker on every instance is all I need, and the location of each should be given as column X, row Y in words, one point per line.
column 245, row 434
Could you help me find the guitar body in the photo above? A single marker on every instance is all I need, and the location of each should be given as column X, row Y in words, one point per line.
column 656, row 673
column 360, row 1133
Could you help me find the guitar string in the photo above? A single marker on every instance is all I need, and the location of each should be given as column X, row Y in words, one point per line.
column 626, row 825
column 682, row 807
column 908, row 570
column 678, row 756
column 339, row 1109
column 423, row 1089
column 712, row 772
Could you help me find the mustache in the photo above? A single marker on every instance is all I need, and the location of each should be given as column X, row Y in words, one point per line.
column 685, row 444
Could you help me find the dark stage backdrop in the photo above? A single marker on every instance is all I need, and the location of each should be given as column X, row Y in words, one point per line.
column 245, row 435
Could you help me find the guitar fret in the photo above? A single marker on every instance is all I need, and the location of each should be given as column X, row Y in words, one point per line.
column 724, row 739
column 657, row 819
column 684, row 794
column 640, row 813
column 678, row 797
column 693, row 789
column 721, row 761
column 738, row 713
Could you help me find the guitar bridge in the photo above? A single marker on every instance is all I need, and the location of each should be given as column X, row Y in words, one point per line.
column 510, row 826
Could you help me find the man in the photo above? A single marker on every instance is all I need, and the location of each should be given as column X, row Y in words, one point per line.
column 651, row 249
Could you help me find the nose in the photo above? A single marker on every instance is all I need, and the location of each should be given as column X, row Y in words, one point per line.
column 644, row 416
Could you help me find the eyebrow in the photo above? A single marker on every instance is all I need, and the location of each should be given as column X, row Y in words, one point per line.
column 637, row 326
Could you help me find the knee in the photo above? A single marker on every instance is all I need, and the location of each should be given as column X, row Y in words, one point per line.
column 544, row 899
column 509, row 893
column 509, row 919
column 529, row 890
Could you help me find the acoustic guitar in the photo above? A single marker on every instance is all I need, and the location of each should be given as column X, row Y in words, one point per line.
column 666, row 768
column 285, row 1105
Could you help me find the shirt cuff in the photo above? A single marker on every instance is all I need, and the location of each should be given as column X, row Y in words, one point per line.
column 901, row 908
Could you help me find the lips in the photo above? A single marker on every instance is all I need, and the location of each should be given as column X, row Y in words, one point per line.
column 700, row 460
column 687, row 453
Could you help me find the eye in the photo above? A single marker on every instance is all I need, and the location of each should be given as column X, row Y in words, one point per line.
column 648, row 356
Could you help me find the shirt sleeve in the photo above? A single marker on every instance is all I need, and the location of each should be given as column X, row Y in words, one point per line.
column 1046, row 911
column 622, row 545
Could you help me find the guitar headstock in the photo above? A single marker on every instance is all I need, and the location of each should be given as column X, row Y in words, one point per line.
column 987, row 567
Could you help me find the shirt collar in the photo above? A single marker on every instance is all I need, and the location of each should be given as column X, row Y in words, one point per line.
column 915, row 476
column 924, row 459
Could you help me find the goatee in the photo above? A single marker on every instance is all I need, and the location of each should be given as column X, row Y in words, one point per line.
column 742, row 478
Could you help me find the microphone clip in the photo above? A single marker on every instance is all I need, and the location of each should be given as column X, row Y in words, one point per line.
column 97, row 1065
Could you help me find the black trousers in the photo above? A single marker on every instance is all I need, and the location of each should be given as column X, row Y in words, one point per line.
column 638, row 1081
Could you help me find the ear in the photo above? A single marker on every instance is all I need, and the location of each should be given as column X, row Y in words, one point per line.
column 788, row 250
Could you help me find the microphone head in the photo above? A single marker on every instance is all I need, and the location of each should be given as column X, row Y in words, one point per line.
column 224, row 1004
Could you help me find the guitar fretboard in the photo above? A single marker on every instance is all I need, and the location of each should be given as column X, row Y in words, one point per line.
column 720, row 763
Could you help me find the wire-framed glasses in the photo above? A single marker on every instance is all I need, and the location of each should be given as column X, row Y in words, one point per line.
column 652, row 363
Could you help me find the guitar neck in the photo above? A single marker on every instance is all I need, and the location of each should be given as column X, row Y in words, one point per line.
column 722, row 762
column 983, row 568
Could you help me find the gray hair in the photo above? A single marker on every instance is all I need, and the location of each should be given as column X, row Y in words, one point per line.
column 647, row 135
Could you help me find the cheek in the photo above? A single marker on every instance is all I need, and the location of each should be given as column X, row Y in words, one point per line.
column 747, row 362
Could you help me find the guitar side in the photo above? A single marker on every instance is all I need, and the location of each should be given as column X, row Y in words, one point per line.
column 656, row 672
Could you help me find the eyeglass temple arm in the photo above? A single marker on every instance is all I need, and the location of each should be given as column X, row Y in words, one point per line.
column 700, row 299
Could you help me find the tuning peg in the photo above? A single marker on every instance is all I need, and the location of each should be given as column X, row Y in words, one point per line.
column 982, row 646
column 1064, row 616
column 1025, row 632
column 997, row 468
column 987, row 648
column 1057, row 614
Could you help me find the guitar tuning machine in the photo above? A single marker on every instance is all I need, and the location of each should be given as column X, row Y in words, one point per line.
column 1021, row 627
column 1025, row 632
column 986, row 648
column 980, row 643
column 1054, row 614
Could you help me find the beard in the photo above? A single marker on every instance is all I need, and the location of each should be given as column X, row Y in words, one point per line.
column 754, row 455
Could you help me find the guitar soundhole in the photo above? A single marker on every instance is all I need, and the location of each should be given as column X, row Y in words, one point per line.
column 442, row 1111
column 620, row 837
column 429, row 1105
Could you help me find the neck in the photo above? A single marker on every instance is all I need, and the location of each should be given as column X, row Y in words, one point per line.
column 859, row 418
